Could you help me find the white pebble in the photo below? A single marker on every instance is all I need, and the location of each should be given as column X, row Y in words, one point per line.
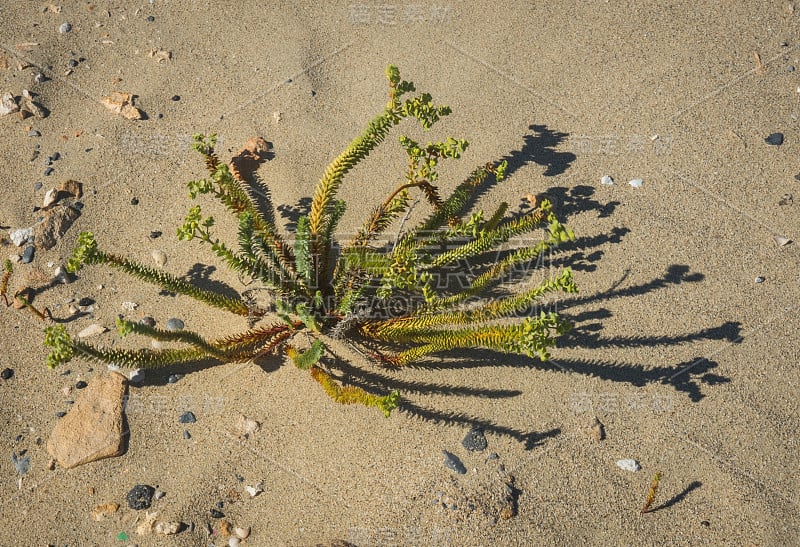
column 629, row 465
column 129, row 306
column 21, row 236
column 168, row 528
column 160, row 258
column 606, row 180
column 242, row 533
column 254, row 490
column 636, row 183
column 233, row 541
column 49, row 198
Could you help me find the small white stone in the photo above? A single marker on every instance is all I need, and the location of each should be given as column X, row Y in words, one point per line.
column 160, row 258
column 21, row 236
column 8, row 104
column 61, row 275
column 92, row 330
column 277, row 116
column 49, row 198
column 606, row 180
column 242, row 533
column 254, row 490
column 168, row 528
column 629, row 465
column 129, row 306
column 781, row 241
column 233, row 541
column 636, row 183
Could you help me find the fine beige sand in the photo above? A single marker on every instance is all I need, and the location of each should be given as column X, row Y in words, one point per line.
column 691, row 365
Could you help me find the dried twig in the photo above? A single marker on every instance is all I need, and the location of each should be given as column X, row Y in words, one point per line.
column 651, row 495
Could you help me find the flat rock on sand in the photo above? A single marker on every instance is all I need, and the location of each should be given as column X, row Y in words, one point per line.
column 94, row 428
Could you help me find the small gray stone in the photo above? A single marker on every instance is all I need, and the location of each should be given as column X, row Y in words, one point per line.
column 775, row 139
column 174, row 324
column 186, row 434
column 64, row 28
column 475, row 441
column 173, row 378
column 27, row 256
column 187, row 418
column 147, row 321
column 21, row 463
column 451, row 461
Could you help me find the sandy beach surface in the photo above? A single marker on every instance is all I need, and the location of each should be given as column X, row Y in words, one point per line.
column 690, row 364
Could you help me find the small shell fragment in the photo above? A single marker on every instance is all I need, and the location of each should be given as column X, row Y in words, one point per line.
column 122, row 104
column 168, row 528
column 629, row 465
column 92, row 330
column 781, row 241
column 277, row 116
column 606, row 180
column 636, row 183
column 242, row 533
column 254, row 490
column 160, row 258
column 129, row 306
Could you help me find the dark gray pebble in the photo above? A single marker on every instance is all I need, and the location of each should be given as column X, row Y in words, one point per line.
column 174, row 324
column 147, row 321
column 37, row 186
column 80, row 384
column 475, row 440
column 775, row 139
column 155, row 234
column 176, row 98
column 173, row 378
column 220, row 504
column 72, row 63
column 186, row 434
column 85, row 301
column 140, row 497
column 34, row 133
column 134, row 201
column 55, row 156
column 216, row 514
column 150, row 18
column 60, row 414
column 187, row 418
column 27, row 256
column 7, row 373
column 492, row 456
column 451, row 461
column 48, row 171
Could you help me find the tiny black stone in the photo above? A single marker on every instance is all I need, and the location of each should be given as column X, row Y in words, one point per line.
column 451, row 461
column 187, row 418
column 27, row 256
column 155, row 234
column 216, row 514
column 134, row 201
column 85, row 301
column 220, row 504
column 150, row 18
column 48, row 171
column 140, row 497
column 176, row 97
column 775, row 139
column 160, row 115
column 475, row 441
column 80, row 384
column 7, row 373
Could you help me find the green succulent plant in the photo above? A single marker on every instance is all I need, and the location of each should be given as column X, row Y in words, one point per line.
column 328, row 288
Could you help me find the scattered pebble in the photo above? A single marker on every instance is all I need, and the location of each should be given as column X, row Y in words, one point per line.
column 606, row 180
column 34, row 133
column 64, row 28
column 122, row 104
column 159, row 494
column 169, row 528
column 80, row 384
column 27, row 256
column 242, row 533
column 629, row 465
column 775, row 139
column 60, row 414
column 216, row 513
column 140, row 497
column 790, row 68
column 155, row 234
column 451, row 461
column 147, row 321
column 129, row 306
column 50, row 197
column 187, row 418
column 174, row 324
column 159, row 257
column 150, row 18
column 92, row 330
column 136, row 376
column 7, row 373
column 246, row 426
column 176, row 98
column 173, row 378
column 254, row 490
column 21, row 462
column 48, row 171
column 760, row 279
column 20, row 236
column 134, row 201
column 636, row 183
column 61, row 275
column 233, row 541
column 475, row 441
column 186, row 434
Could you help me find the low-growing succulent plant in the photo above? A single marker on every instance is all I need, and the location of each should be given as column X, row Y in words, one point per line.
column 387, row 297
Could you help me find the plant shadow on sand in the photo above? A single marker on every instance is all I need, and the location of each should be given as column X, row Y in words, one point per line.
column 540, row 148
